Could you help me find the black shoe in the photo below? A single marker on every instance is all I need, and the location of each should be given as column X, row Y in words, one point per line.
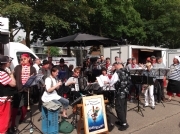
column 118, row 123
column 123, row 127
column 9, row 131
column 22, row 121
column 13, row 130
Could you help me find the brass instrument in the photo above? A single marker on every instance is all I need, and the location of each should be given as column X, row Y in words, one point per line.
column 28, row 107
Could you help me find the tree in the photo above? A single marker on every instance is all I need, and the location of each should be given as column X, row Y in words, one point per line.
column 116, row 19
column 19, row 39
column 52, row 51
column 161, row 21
column 61, row 20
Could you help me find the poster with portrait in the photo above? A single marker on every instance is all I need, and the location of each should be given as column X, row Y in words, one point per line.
column 94, row 114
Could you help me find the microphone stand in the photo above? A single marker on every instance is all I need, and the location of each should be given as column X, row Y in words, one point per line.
column 27, row 85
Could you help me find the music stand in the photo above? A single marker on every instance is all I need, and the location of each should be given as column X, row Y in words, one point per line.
column 136, row 79
column 33, row 80
column 159, row 73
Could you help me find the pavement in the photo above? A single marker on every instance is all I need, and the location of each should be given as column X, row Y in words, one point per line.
column 162, row 120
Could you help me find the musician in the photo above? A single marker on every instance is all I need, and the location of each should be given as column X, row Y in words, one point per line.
column 129, row 61
column 52, row 84
column 174, row 78
column 153, row 60
column 74, row 84
column 7, row 84
column 108, row 66
column 71, row 67
column 50, row 62
column 63, row 70
column 102, row 61
column 122, row 87
column 160, row 64
column 22, row 73
column 149, row 88
column 95, row 69
column 45, row 71
column 117, row 59
column 37, row 64
column 105, row 90
column 131, row 66
column 104, row 77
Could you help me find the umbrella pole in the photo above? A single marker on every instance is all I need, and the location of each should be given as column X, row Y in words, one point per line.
column 81, row 55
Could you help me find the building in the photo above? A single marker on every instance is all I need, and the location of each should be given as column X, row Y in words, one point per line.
column 38, row 49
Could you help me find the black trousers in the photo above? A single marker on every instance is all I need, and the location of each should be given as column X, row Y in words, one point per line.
column 121, row 109
column 20, row 96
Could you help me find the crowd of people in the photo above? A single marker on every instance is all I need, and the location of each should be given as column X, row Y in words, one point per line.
column 61, row 82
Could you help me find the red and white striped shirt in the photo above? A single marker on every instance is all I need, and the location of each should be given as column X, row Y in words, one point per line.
column 25, row 74
column 5, row 79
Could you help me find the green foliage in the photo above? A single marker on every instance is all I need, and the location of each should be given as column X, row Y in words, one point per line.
column 143, row 22
column 52, row 51
column 161, row 20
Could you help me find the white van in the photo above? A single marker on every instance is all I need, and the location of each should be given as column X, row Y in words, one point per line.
column 14, row 50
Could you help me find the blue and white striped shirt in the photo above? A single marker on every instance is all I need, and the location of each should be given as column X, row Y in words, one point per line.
column 174, row 73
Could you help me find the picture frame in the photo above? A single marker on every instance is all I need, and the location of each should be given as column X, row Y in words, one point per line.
column 95, row 120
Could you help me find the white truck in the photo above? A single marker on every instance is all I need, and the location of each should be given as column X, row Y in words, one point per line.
column 11, row 49
column 170, row 53
column 138, row 52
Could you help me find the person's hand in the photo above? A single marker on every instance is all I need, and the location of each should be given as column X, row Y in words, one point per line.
column 73, row 82
column 105, row 82
column 59, row 83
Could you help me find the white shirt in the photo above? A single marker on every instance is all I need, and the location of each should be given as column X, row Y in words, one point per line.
column 46, row 97
column 36, row 67
column 74, row 87
column 106, row 86
column 104, row 78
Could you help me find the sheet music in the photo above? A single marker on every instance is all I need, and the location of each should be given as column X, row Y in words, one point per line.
column 114, row 79
column 33, row 80
column 136, row 71
column 91, row 86
column 159, row 72
column 100, row 82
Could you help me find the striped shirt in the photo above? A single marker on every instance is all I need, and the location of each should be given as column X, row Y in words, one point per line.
column 25, row 74
column 5, row 79
column 174, row 72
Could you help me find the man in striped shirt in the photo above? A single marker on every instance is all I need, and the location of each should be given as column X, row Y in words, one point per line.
column 174, row 78
column 6, row 81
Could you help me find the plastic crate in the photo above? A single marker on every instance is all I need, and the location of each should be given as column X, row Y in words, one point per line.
column 50, row 121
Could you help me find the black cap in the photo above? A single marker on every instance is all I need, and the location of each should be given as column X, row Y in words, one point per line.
column 61, row 60
column 5, row 59
column 45, row 62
